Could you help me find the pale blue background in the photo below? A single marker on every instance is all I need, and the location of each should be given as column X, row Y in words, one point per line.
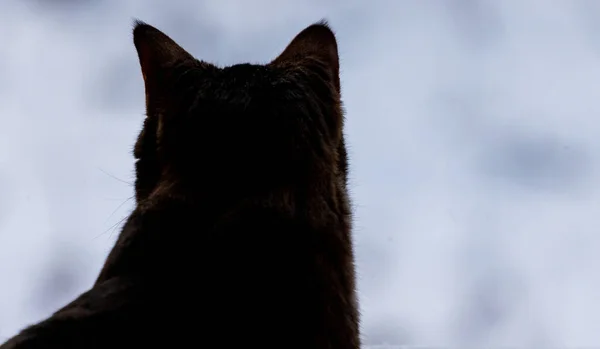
column 474, row 134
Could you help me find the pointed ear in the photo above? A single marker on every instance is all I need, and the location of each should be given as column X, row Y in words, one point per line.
column 316, row 41
column 157, row 52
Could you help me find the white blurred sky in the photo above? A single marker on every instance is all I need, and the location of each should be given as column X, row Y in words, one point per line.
column 474, row 134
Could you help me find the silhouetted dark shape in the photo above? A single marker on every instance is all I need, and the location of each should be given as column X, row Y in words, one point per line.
column 241, row 232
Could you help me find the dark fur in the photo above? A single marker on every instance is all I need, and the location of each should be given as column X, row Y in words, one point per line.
column 241, row 233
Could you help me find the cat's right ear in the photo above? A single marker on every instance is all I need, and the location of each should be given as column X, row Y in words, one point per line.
column 316, row 41
column 157, row 53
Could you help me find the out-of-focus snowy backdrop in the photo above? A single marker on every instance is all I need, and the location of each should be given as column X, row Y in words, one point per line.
column 474, row 130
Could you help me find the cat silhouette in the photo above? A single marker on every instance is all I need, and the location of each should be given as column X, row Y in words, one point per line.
column 241, row 232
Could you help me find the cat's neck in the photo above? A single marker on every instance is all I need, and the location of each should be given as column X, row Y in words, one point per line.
column 294, row 198
column 169, row 226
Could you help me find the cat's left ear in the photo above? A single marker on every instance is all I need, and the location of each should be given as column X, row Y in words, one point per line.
column 157, row 52
column 318, row 42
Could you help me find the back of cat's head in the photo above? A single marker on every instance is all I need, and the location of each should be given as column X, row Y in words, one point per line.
column 245, row 127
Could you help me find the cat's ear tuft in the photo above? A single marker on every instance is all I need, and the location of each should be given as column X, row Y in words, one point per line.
column 156, row 51
column 317, row 41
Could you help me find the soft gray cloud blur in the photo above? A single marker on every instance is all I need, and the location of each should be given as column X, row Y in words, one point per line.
column 473, row 135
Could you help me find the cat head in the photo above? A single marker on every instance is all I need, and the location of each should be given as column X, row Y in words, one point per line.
column 240, row 129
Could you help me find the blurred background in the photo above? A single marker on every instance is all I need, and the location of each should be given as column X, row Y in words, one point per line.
column 474, row 136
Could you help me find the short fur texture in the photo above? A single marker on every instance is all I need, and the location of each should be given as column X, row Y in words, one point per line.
column 241, row 234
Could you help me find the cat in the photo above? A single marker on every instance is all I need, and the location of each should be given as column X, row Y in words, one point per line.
column 241, row 231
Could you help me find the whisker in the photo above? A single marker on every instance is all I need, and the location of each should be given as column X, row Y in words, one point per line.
column 118, row 207
column 116, row 225
column 113, row 227
column 118, row 179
